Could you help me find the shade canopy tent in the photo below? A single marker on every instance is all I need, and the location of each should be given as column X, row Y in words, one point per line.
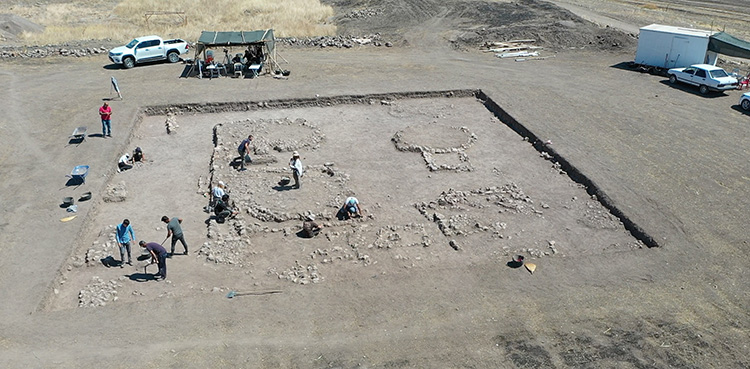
column 263, row 39
column 726, row 44
column 236, row 38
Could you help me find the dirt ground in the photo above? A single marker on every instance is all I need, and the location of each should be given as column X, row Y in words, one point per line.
column 668, row 158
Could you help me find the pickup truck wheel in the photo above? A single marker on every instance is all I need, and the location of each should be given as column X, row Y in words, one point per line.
column 745, row 104
column 672, row 79
column 128, row 63
column 173, row 57
column 703, row 89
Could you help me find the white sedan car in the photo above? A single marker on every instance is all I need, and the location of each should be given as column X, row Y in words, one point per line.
column 745, row 101
column 707, row 77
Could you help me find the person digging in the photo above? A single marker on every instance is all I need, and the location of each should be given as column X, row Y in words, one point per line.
column 174, row 229
column 310, row 229
column 244, row 151
column 158, row 256
column 223, row 211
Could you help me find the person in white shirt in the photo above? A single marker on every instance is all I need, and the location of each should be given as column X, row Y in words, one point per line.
column 351, row 207
column 216, row 194
column 296, row 164
column 124, row 163
column 219, row 190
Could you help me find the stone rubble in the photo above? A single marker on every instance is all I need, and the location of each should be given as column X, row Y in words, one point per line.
column 268, row 136
column 86, row 48
column 364, row 13
column 98, row 293
column 171, row 123
column 116, row 193
column 460, row 213
column 431, row 154
column 300, row 274
column 101, row 250
column 24, row 52
column 339, row 41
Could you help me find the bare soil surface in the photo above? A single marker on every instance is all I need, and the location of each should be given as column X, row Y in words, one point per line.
column 389, row 290
column 434, row 214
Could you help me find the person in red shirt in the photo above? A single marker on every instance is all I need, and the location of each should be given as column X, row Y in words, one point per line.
column 106, row 114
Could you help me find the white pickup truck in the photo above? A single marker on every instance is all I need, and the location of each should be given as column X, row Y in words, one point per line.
column 148, row 48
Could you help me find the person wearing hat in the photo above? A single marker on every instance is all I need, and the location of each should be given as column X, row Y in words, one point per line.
column 158, row 256
column 310, row 229
column 124, row 163
column 296, row 164
column 216, row 194
column 219, row 190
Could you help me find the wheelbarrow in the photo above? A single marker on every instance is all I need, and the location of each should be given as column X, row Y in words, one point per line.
column 78, row 135
column 78, row 174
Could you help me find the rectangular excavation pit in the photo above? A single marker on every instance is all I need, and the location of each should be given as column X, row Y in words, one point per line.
column 443, row 182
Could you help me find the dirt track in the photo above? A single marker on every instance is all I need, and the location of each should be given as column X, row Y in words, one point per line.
column 646, row 144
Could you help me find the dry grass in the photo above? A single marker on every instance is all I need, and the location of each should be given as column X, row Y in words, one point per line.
column 700, row 15
column 98, row 19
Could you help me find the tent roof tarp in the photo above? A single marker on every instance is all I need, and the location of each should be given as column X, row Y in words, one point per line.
column 726, row 44
column 235, row 38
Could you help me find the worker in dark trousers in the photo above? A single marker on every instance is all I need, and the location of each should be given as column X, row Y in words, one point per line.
column 174, row 230
column 158, row 256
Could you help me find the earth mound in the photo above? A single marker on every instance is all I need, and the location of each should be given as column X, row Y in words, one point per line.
column 11, row 26
column 467, row 24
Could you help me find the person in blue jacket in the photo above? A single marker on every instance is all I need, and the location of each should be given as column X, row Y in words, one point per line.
column 125, row 235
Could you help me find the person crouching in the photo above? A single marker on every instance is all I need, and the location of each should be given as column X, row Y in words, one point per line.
column 223, row 211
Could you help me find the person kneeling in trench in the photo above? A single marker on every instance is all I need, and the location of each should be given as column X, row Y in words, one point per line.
column 223, row 211
column 351, row 208
column 158, row 256
column 310, row 229
column 124, row 163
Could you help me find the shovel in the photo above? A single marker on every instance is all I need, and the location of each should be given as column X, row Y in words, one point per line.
column 232, row 294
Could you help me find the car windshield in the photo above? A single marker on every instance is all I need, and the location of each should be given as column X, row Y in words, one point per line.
column 132, row 44
column 718, row 73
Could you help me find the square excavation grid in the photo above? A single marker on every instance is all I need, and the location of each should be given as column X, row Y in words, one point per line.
column 434, row 175
column 443, row 182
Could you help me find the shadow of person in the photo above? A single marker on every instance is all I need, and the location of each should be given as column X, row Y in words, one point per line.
column 109, row 262
column 141, row 277
column 236, row 162
column 514, row 264
column 302, row 234
column 282, row 188
column 342, row 215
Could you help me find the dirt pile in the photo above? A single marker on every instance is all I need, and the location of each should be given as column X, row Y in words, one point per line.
column 11, row 26
column 468, row 24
